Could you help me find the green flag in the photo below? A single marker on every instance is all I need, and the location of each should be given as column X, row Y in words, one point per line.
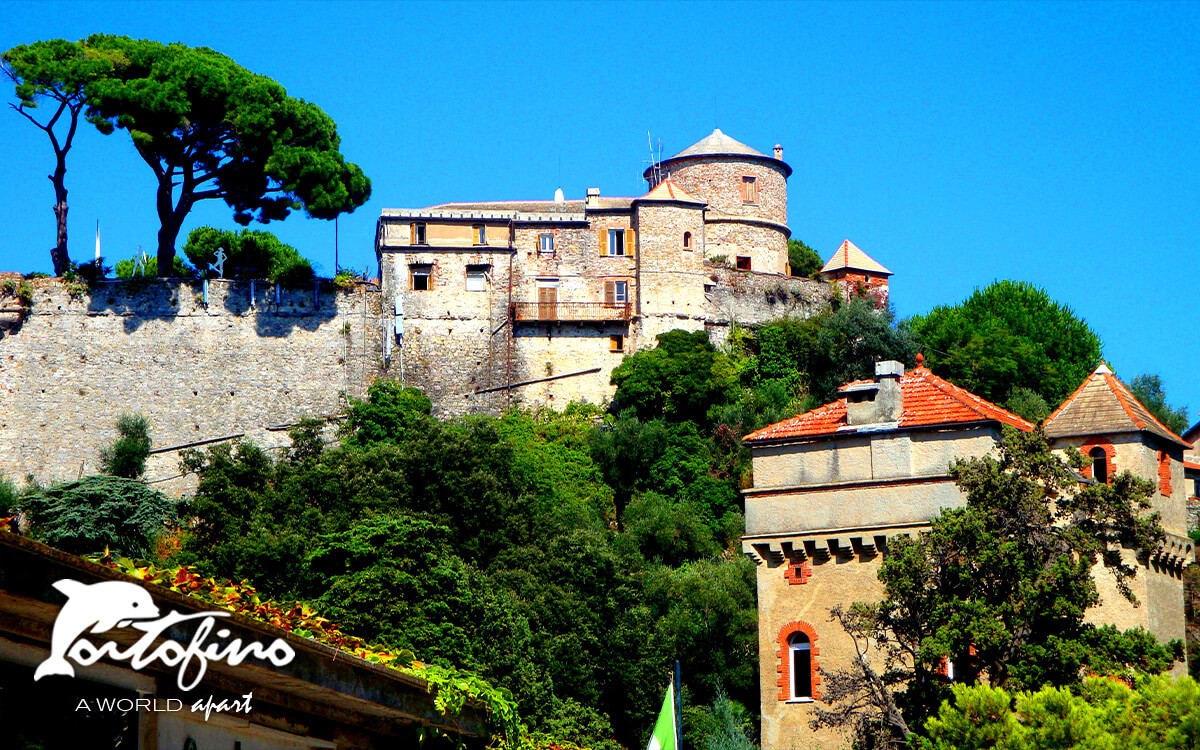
column 664, row 729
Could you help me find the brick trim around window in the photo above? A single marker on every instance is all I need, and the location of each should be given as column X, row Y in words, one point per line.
column 784, row 656
column 1110, row 456
column 1164, row 473
column 797, row 572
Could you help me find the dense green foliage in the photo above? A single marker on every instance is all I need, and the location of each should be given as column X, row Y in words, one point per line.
column 55, row 72
column 803, row 260
column 130, row 269
column 490, row 544
column 1000, row 587
column 249, row 254
column 677, row 380
column 1149, row 391
column 210, row 129
column 832, row 348
column 725, row 725
column 1008, row 335
column 127, row 455
column 1027, row 403
column 1103, row 713
column 591, row 555
column 96, row 512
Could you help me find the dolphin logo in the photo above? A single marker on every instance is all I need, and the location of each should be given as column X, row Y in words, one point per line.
column 98, row 607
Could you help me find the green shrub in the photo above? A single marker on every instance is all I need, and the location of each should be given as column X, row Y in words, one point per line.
column 96, row 512
column 126, row 457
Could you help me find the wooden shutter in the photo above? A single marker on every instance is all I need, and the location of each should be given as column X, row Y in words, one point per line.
column 630, row 242
column 610, row 292
column 547, row 303
column 412, row 234
column 604, row 242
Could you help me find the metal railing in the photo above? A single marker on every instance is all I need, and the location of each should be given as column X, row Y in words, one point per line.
column 580, row 311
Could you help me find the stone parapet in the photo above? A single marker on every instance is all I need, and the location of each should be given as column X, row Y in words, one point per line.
column 200, row 361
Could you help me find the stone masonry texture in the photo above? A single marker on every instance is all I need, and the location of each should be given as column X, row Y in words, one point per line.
column 197, row 371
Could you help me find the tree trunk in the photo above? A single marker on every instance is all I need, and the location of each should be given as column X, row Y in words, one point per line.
column 58, row 256
column 167, row 234
column 170, row 219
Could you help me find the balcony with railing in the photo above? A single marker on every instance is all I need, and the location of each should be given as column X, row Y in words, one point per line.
column 571, row 311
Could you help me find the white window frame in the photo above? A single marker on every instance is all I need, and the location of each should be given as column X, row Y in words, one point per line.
column 480, row 231
column 420, row 236
column 544, row 239
column 613, row 243
column 477, row 279
column 793, row 648
column 620, row 292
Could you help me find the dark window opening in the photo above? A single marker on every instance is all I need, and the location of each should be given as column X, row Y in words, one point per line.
column 616, row 242
column 1099, row 465
column 801, row 654
column 421, row 278
column 743, row 262
column 687, row 240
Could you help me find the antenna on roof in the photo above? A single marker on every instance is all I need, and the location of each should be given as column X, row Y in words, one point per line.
column 655, row 162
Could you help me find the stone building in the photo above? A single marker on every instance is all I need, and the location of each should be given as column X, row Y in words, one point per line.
column 536, row 302
column 1191, row 475
column 482, row 305
column 831, row 486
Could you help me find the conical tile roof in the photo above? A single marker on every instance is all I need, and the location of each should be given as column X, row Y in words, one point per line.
column 848, row 255
column 1103, row 405
column 717, row 143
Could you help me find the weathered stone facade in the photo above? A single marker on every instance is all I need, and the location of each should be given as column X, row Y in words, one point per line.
column 492, row 305
column 536, row 302
column 248, row 359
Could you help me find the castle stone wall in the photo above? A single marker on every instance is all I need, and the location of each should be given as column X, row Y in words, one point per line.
column 240, row 363
column 718, row 181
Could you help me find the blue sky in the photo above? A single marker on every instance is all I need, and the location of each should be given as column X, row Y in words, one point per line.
column 957, row 143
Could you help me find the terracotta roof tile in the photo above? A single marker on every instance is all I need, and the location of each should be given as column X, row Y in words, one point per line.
column 667, row 190
column 928, row 400
column 1102, row 404
column 849, row 255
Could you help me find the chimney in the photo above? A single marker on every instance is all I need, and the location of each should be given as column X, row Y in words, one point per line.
column 877, row 401
column 558, row 197
column 778, row 152
column 593, row 198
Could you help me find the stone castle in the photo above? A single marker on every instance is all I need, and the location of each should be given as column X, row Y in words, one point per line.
column 535, row 302
column 481, row 305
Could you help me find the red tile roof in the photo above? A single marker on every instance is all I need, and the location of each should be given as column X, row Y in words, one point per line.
column 667, row 190
column 849, row 255
column 928, row 400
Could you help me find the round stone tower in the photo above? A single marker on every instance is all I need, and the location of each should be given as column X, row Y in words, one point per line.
column 746, row 193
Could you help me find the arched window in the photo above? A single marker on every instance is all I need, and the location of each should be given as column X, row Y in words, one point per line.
column 800, row 652
column 799, row 673
column 687, row 240
column 1099, row 464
